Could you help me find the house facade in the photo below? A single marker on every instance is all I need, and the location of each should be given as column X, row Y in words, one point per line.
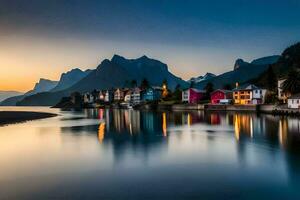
column 221, row 97
column 108, row 97
column 88, row 98
column 151, row 94
column 119, row 95
column 294, row 101
column 127, row 96
column 192, row 95
column 249, row 94
column 282, row 96
column 135, row 97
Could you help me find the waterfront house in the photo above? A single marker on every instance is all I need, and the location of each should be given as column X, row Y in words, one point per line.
column 282, row 96
column 88, row 98
column 294, row 101
column 151, row 94
column 249, row 94
column 135, row 97
column 108, row 97
column 192, row 95
column 221, row 97
column 119, row 95
column 101, row 95
column 127, row 96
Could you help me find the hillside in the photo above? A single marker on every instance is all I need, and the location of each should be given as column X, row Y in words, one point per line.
column 241, row 73
column 111, row 74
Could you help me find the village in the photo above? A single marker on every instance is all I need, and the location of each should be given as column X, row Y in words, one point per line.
column 246, row 97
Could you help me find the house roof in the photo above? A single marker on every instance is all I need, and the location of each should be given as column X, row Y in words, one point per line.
column 295, row 96
column 196, row 90
column 247, row 87
column 221, row 90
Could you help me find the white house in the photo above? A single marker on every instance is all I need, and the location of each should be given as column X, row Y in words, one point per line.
column 282, row 95
column 108, row 96
column 88, row 98
column 294, row 101
column 135, row 96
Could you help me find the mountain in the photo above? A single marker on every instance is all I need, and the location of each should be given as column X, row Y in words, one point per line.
column 198, row 79
column 70, row 78
column 42, row 86
column 111, row 74
column 7, row 94
column 288, row 60
column 240, row 63
column 119, row 70
column 268, row 60
column 241, row 73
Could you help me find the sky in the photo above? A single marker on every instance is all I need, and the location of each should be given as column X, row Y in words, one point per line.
column 44, row 38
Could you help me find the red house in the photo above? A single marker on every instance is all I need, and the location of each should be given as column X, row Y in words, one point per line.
column 221, row 97
column 192, row 95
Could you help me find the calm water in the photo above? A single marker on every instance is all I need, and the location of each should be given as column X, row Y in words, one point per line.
column 121, row 154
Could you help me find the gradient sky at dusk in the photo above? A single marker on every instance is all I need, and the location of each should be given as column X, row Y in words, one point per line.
column 43, row 38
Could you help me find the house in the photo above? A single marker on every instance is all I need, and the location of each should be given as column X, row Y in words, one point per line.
column 249, row 94
column 101, row 95
column 294, row 101
column 135, row 97
column 108, row 97
column 151, row 94
column 119, row 95
column 88, row 98
column 192, row 95
column 127, row 96
column 221, row 96
column 282, row 96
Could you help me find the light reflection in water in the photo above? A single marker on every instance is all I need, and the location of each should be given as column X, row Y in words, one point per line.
column 125, row 149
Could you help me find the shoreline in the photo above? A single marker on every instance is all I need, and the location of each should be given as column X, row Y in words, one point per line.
column 13, row 117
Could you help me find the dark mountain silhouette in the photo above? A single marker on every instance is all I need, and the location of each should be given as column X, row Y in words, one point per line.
column 111, row 74
column 43, row 85
column 70, row 78
column 266, row 60
column 242, row 72
column 289, row 60
column 7, row 94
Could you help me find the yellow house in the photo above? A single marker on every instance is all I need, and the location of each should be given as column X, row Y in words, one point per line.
column 249, row 94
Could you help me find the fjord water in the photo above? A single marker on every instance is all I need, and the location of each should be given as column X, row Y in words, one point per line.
column 128, row 154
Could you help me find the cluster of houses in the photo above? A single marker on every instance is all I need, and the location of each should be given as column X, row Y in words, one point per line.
column 240, row 95
column 243, row 95
column 133, row 96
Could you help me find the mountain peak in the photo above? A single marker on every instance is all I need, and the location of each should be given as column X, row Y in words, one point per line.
column 239, row 63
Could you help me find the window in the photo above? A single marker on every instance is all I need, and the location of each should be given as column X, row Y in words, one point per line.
column 256, row 91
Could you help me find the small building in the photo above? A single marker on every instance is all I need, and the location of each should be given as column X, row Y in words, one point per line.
column 127, row 96
column 221, row 97
column 76, row 99
column 294, row 101
column 135, row 97
column 88, row 98
column 101, row 95
column 151, row 94
column 282, row 96
column 108, row 97
column 119, row 95
column 192, row 95
column 249, row 94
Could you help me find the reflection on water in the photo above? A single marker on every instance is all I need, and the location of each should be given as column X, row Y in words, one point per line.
column 121, row 154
